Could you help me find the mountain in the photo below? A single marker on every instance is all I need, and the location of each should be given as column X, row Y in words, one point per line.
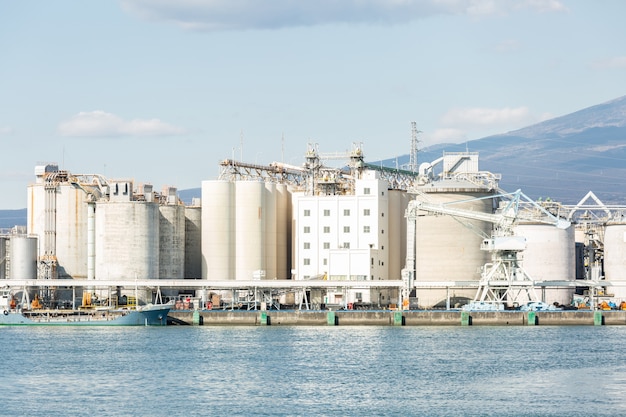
column 561, row 158
column 10, row 218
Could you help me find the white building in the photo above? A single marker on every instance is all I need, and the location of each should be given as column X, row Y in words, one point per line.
column 350, row 237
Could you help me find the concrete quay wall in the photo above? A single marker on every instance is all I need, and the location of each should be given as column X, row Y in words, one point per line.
column 395, row 318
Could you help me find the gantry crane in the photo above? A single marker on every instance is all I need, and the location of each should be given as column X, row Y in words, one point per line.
column 503, row 279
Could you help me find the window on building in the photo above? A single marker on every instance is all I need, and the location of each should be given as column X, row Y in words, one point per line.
column 325, row 261
column 326, row 213
column 366, row 229
column 326, row 245
column 326, row 229
column 346, row 212
column 366, row 190
column 346, row 229
column 307, row 245
column 306, row 261
column 382, row 193
column 346, row 245
column 307, row 213
column 366, row 212
column 307, row 229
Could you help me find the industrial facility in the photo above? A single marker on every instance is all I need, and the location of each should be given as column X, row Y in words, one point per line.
column 334, row 232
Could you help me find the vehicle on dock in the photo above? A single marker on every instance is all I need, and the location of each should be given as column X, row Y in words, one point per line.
column 13, row 314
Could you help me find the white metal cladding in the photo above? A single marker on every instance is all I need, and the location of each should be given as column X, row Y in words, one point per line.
column 127, row 240
column 193, row 248
column 218, row 230
column 447, row 249
column 171, row 241
column 249, row 232
column 615, row 256
column 23, row 257
column 549, row 256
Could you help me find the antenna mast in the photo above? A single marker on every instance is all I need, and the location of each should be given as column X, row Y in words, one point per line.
column 414, row 149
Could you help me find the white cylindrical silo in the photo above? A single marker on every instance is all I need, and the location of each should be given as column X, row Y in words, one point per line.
column 447, row 249
column 23, row 257
column 171, row 241
column 270, row 216
column 71, row 232
column 193, row 242
column 549, row 256
column 615, row 257
column 218, row 230
column 283, row 231
column 3, row 257
column 127, row 240
column 249, row 233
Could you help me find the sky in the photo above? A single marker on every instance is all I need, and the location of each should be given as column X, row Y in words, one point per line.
column 160, row 91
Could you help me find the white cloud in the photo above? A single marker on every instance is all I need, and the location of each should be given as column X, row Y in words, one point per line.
column 618, row 62
column 485, row 117
column 102, row 124
column 446, row 135
column 5, row 131
column 272, row 14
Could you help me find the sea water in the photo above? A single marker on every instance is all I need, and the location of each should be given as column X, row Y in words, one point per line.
column 313, row 371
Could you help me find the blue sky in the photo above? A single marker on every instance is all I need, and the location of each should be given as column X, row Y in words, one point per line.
column 161, row 90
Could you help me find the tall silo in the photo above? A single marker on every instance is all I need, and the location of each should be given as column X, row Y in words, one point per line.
column 448, row 249
column 3, row 257
column 171, row 241
column 193, row 242
column 398, row 203
column 549, row 256
column 218, row 230
column 249, row 232
column 71, row 232
column 270, row 217
column 615, row 258
column 283, row 231
column 23, row 257
column 127, row 240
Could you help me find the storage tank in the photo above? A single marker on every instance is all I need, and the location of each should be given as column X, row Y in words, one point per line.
column 398, row 203
column 283, row 231
column 171, row 241
column 550, row 255
column 270, row 217
column 218, row 230
column 249, row 233
column 23, row 257
column 127, row 240
column 3, row 257
column 447, row 249
column 193, row 248
column 615, row 257
column 71, row 232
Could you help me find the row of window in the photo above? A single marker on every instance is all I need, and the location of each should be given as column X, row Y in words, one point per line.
column 346, row 229
column 346, row 212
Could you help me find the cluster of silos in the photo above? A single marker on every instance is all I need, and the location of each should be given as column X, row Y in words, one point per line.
column 549, row 256
column 246, row 232
column 447, row 248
